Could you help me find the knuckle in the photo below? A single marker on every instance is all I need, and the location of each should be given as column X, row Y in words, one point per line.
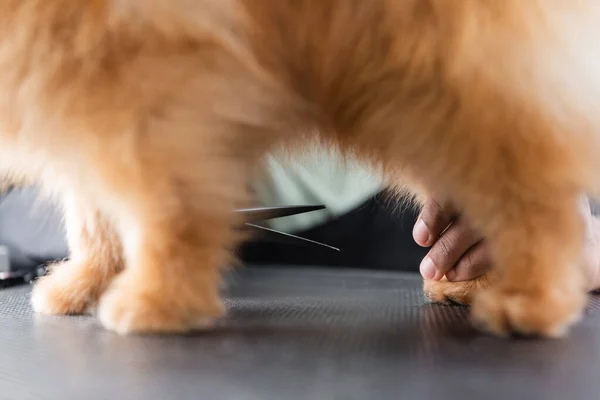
column 443, row 252
column 475, row 262
column 469, row 260
column 446, row 246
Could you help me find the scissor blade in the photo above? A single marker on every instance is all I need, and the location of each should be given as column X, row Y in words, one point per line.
column 288, row 237
column 264, row 213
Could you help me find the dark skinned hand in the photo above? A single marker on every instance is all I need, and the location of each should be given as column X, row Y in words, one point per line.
column 461, row 253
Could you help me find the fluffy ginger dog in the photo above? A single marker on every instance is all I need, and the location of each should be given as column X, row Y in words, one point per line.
column 146, row 118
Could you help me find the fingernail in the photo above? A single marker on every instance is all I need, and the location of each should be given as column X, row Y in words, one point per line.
column 427, row 268
column 421, row 233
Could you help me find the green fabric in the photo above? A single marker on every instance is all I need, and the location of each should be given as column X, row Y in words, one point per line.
column 316, row 177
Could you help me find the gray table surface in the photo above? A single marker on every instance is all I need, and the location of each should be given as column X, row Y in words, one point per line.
column 297, row 334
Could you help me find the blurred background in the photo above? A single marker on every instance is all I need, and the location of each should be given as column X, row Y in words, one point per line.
column 360, row 219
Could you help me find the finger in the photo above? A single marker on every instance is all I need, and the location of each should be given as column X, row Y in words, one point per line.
column 432, row 221
column 585, row 211
column 591, row 254
column 449, row 249
column 474, row 263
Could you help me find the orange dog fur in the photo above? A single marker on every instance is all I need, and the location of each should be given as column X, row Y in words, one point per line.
column 146, row 118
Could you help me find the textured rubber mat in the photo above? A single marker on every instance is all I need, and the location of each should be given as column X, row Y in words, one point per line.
column 295, row 334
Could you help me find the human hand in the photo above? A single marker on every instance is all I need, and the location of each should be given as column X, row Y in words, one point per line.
column 461, row 253
column 591, row 250
column 457, row 250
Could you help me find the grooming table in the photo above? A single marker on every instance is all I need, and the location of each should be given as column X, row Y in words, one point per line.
column 297, row 334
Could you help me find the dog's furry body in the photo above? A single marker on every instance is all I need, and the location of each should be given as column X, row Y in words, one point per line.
column 147, row 118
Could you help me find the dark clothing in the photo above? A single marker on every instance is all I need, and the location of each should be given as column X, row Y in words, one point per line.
column 372, row 236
